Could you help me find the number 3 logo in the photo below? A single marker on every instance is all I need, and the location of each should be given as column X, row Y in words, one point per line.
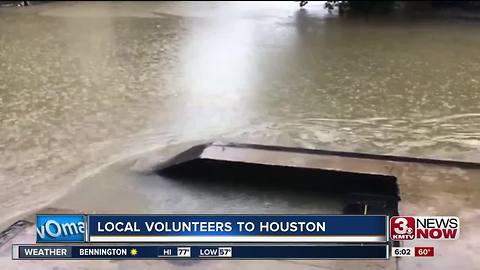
column 402, row 227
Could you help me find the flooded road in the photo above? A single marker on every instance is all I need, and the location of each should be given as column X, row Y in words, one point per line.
column 85, row 84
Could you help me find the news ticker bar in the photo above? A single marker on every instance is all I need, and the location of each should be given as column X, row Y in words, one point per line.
column 38, row 252
column 212, row 228
column 243, row 228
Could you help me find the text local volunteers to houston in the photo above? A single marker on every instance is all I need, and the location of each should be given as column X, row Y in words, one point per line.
column 214, row 226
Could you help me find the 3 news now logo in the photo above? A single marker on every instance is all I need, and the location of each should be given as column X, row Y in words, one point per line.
column 60, row 228
column 432, row 228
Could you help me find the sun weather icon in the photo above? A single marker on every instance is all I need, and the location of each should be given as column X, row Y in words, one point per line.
column 133, row 252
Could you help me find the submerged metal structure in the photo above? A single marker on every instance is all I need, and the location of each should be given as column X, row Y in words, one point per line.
column 366, row 182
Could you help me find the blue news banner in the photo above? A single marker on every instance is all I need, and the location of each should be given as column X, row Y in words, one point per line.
column 240, row 236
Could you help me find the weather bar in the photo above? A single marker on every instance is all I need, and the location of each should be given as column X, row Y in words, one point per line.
column 50, row 252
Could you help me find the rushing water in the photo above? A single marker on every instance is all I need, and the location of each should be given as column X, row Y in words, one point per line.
column 84, row 84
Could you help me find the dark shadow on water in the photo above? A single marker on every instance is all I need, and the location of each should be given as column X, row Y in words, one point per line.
column 360, row 193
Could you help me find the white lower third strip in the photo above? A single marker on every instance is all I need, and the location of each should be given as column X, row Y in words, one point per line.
column 236, row 239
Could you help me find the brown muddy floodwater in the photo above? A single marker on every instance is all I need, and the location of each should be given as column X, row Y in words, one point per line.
column 85, row 84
